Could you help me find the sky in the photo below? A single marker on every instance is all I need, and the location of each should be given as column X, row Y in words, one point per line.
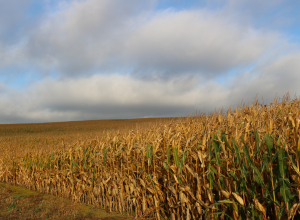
column 113, row 59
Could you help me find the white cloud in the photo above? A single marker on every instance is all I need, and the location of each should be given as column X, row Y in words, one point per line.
column 279, row 76
column 194, row 41
column 82, row 35
column 125, row 96
column 92, row 36
column 167, row 62
column 104, row 96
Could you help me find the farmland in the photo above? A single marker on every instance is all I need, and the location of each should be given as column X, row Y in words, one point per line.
column 240, row 164
column 18, row 139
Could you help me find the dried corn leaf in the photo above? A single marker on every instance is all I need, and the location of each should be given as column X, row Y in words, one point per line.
column 238, row 198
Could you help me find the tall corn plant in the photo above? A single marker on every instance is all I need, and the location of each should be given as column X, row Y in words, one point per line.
column 259, row 189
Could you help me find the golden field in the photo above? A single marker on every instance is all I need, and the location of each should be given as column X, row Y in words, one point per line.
column 18, row 139
column 234, row 165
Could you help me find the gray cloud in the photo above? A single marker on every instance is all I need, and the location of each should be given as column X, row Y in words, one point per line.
column 194, row 41
column 279, row 76
column 87, row 37
column 125, row 60
column 82, row 37
column 99, row 96
column 124, row 96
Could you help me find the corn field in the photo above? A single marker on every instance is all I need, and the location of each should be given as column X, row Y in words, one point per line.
column 242, row 164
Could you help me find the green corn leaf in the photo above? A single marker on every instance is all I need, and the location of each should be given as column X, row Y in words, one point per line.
column 176, row 157
column 217, row 151
column 213, row 170
column 93, row 161
column 276, row 172
column 269, row 143
column 222, row 183
column 148, row 151
column 211, row 181
column 182, row 161
column 150, row 155
column 287, row 183
column 180, row 168
column 265, row 163
column 166, row 166
column 233, row 176
column 210, row 176
column 274, row 157
column 256, row 171
column 219, row 213
column 258, row 146
column 284, row 183
column 89, row 155
column 278, row 141
column 259, row 176
column 74, row 165
column 285, row 190
column 151, row 152
column 281, row 162
column 236, row 152
column 213, row 205
column 84, row 164
column 216, row 204
column 223, row 138
column 248, row 155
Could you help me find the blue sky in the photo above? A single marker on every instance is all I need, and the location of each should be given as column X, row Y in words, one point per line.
column 181, row 5
column 89, row 59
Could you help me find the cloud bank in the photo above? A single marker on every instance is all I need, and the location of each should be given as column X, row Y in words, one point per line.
column 85, row 60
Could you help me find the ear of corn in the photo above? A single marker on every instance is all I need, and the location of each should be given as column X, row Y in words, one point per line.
column 241, row 165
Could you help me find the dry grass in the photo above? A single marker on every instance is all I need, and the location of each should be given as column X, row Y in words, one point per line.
column 18, row 139
column 241, row 165
column 17, row 203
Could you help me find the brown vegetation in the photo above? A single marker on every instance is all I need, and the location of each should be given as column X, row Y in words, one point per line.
column 18, row 139
column 240, row 165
